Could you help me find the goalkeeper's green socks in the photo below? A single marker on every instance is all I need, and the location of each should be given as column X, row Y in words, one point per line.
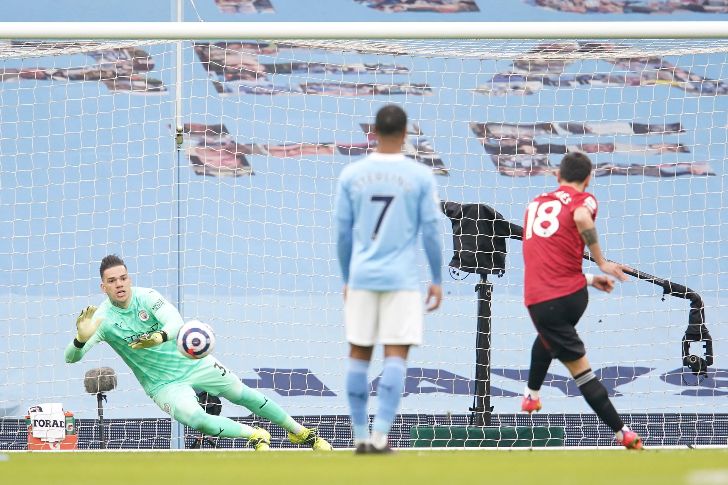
column 267, row 408
column 218, row 426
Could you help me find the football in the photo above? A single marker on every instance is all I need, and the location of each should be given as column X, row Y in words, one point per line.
column 195, row 340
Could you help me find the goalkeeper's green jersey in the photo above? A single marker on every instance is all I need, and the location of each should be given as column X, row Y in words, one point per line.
column 148, row 312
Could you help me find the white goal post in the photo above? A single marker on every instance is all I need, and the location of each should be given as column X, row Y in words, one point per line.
column 363, row 30
column 206, row 155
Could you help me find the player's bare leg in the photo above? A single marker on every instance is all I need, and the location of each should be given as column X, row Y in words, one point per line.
column 596, row 395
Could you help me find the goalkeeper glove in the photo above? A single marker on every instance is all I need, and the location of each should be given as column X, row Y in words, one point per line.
column 86, row 325
column 149, row 340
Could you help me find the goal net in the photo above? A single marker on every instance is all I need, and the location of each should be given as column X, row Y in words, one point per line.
column 232, row 221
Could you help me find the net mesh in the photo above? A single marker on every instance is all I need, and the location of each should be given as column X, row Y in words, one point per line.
column 234, row 225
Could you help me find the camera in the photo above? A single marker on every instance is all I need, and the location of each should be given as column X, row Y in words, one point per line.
column 697, row 364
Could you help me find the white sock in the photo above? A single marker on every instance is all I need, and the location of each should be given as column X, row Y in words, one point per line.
column 530, row 392
column 620, row 434
column 294, row 427
column 379, row 440
column 358, row 442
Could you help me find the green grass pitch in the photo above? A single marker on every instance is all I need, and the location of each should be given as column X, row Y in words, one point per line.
column 577, row 467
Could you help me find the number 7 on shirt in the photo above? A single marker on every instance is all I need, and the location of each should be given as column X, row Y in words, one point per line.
column 387, row 200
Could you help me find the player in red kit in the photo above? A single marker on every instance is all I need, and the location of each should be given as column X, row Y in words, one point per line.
column 558, row 225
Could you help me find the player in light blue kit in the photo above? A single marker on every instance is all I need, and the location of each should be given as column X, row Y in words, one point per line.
column 383, row 203
column 141, row 326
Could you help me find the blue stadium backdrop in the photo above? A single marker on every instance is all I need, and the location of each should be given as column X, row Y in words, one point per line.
column 88, row 168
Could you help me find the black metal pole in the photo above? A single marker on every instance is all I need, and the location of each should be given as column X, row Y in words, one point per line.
column 100, row 397
column 481, row 410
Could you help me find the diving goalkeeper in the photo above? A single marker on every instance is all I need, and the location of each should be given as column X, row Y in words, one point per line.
column 141, row 326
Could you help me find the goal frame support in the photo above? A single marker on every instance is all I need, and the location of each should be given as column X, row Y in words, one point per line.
column 481, row 411
column 363, row 30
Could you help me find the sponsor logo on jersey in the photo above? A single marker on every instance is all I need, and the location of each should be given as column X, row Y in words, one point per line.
column 157, row 305
column 143, row 315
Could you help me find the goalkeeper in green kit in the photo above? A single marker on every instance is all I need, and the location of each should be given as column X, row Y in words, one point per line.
column 141, row 326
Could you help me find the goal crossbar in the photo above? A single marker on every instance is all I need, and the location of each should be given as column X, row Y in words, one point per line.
column 363, row 30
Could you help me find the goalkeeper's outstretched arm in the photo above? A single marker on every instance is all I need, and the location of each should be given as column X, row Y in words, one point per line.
column 74, row 353
column 87, row 335
column 167, row 315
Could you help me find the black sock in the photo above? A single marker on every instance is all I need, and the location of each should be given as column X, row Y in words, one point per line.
column 540, row 362
column 596, row 395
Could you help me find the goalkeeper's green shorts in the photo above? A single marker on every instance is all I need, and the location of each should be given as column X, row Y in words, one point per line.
column 210, row 376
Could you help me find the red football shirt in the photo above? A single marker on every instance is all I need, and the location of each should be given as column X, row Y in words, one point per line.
column 552, row 245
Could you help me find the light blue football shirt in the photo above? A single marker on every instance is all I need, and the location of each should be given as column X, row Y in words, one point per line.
column 383, row 202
